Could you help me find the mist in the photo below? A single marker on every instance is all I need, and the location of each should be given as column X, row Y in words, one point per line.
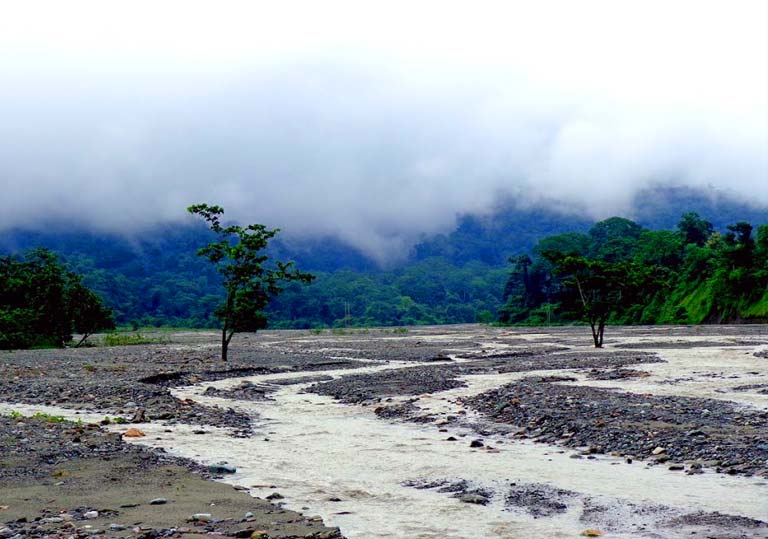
column 374, row 125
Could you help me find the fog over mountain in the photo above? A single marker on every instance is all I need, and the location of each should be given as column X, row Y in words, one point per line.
column 374, row 123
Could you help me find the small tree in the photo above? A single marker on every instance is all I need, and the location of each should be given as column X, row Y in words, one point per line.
column 88, row 314
column 41, row 303
column 597, row 289
column 240, row 259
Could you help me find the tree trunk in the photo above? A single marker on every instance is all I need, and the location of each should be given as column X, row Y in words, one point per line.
column 82, row 340
column 226, row 332
column 597, row 332
column 597, row 337
column 601, row 331
column 224, row 343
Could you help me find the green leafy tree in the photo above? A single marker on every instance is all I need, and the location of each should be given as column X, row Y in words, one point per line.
column 87, row 313
column 693, row 229
column 597, row 289
column 42, row 304
column 239, row 256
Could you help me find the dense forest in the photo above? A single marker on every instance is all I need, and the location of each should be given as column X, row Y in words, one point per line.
column 43, row 304
column 155, row 278
column 622, row 273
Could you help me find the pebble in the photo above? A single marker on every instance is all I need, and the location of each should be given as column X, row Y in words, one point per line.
column 201, row 517
column 91, row 515
column 474, row 498
column 221, row 468
column 156, row 501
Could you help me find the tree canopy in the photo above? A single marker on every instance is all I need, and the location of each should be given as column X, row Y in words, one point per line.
column 43, row 304
column 239, row 256
column 622, row 273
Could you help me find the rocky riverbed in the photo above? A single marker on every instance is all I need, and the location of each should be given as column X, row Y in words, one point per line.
column 61, row 479
column 687, row 401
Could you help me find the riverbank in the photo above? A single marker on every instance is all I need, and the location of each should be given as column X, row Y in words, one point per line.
column 62, row 479
column 436, row 432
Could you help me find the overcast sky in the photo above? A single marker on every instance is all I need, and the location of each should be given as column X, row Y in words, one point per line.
column 373, row 121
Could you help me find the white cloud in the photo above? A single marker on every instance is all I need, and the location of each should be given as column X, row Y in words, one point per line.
column 372, row 121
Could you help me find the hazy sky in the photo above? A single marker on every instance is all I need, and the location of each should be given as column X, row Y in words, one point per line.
column 374, row 121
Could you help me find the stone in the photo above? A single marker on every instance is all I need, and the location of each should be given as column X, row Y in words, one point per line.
column 117, row 527
column 591, row 533
column 221, row 468
column 201, row 517
column 158, row 501
column 249, row 532
column 658, row 451
column 133, row 432
column 91, row 515
column 476, row 443
column 478, row 499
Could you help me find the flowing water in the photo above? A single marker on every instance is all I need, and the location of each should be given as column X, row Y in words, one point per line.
column 313, row 450
column 346, row 465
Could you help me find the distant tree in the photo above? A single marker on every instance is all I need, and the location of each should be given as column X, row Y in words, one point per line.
column 614, row 239
column 42, row 304
column 86, row 311
column 597, row 289
column 694, row 229
column 249, row 284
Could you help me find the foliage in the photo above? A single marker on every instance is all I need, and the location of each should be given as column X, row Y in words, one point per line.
column 49, row 418
column 430, row 292
column 43, row 304
column 239, row 256
column 153, row 278
column 128, row 339
column 621, row 273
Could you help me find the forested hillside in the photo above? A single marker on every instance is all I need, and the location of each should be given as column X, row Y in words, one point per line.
column 155, row 277
column 622, row 273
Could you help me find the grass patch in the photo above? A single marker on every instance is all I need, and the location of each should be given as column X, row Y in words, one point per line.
column 130, row 339
column 759, row 309
column 347, row 331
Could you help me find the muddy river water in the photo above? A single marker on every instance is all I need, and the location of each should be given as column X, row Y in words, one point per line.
column 357, row 471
